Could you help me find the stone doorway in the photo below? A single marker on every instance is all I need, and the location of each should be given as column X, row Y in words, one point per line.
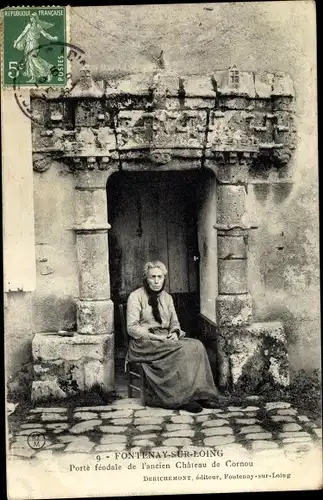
column 161, row 216
column 232, row 130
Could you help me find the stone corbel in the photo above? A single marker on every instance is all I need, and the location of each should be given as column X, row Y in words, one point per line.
column 41, row 162
column 279, row 155
column 231, row 167
column 160, row 157
column 282, row 156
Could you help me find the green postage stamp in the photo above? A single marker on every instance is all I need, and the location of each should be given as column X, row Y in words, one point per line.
column 34, row 46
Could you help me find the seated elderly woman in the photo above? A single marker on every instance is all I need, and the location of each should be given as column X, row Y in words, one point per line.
column 177, row 369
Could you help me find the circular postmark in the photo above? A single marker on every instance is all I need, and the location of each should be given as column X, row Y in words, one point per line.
column 59, row 73
column 36, row 440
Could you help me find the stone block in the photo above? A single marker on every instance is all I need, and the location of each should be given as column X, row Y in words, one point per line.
column 147, row 428
column 245, row 359
column 198, row 103
column 113, row 429
column 99, row 372
column 180, row 433
column 198, row 86
column 219, row 440
column 121, row 421
column 92, row 255
column 95, row 317
column 264, row 85
column 91, row 207
column 87, row 425
column 293, row 434
column 94, row 179
column 215, row 423
column 232, row 247
column 283, row 85
column 231, row 204
column 252, row 351
column 277, row 418
column 183, row 441
column 226, row 102
column 277, row 405
column 218, row 431
column 49, row 347
column 46, row 390
column 229, row 174
column 113, row 438
column 233, row 276
column 258, row 435
column 287, row 412
column 234, row 309
column 75, row 364
column 251, row 428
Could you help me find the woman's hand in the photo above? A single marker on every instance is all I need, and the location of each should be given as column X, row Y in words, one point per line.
column 156, row 336
column 172, row 336
column 15, row 44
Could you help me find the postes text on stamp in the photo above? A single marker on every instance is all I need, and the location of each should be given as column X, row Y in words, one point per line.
column 34, row 51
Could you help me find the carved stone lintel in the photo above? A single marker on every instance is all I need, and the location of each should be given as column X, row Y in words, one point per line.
column 41, row 162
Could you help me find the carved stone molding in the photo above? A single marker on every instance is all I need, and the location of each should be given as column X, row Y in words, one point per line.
column 231, row 117
column 89, row 163
column 231, row 157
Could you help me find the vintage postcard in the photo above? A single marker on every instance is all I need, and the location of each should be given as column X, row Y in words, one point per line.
column 161, row 255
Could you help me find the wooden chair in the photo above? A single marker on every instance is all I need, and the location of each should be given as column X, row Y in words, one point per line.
column 133, row 370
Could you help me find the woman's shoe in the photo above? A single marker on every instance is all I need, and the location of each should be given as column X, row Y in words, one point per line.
column 208, row 403
column 192, row 407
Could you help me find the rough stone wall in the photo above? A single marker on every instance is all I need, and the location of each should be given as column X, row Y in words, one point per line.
column 19, row 331
column 53, row 301
column 284, row 265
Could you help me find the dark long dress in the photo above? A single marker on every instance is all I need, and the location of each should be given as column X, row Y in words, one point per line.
column 176, row 371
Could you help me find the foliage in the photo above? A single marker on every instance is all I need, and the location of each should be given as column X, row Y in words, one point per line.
column 19, row 392
column 304, row 394
column 19, row 385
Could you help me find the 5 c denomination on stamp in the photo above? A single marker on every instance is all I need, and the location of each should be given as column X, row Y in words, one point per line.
column 27, row 59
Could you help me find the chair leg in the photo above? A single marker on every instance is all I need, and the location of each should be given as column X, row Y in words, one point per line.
column 129, row 385
column 143, row 388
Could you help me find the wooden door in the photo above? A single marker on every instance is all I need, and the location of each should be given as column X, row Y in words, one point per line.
column 153, row 217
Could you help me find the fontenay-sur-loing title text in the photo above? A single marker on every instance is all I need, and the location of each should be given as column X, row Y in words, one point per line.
column 183, row 468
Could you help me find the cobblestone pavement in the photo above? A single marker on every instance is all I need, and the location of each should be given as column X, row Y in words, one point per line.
column 126, row 424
